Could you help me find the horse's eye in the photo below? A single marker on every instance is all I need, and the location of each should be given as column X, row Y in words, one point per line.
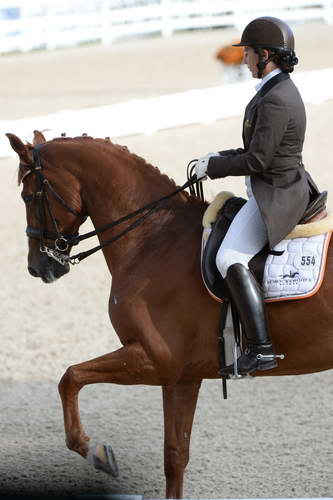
column 27, row 198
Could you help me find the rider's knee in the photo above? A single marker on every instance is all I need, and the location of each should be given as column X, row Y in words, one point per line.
column 226, row 258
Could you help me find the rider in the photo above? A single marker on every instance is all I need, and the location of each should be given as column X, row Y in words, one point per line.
column 278, row 187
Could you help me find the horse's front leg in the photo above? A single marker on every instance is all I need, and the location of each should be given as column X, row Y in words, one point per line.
column 179, row 407
column 128, row 365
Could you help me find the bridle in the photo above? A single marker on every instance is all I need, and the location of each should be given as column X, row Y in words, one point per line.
column 62, row 241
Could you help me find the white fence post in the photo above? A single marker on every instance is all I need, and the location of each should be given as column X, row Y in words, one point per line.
column 51, row 28
column 328, row 9
column 166, row 12
column 106, row 28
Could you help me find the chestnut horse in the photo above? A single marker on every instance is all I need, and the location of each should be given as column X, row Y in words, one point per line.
column 159, row 307
column 231, row 60
column 230, row 55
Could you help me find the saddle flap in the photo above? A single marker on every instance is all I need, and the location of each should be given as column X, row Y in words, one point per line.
column 210, row 274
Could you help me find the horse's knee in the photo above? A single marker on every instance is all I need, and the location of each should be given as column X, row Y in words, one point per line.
column 69, row 380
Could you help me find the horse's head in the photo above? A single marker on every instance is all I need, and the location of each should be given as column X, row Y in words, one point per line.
column 53, row 206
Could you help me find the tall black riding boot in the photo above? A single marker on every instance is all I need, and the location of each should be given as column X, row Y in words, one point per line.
column 248, row 299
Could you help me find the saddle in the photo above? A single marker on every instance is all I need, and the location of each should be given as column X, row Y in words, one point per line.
column 293, row 269
column 216, row 225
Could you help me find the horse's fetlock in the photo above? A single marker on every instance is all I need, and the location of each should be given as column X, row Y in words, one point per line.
column 70, row 443
column 78, row 441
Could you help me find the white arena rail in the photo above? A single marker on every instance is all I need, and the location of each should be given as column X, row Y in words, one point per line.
column 292, row 10
column 46, row 24
column 147, row 116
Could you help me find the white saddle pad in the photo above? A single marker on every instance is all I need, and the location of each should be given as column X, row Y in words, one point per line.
column 299, row 271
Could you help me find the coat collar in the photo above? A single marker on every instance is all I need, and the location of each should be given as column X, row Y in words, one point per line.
column 272, row 82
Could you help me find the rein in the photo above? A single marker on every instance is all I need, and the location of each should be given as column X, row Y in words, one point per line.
column 64, row 241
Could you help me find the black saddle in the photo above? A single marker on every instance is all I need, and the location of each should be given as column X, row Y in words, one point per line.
column 210, row 274
column 316, row 207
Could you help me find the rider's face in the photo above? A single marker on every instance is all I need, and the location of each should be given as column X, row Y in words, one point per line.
column 251, row 59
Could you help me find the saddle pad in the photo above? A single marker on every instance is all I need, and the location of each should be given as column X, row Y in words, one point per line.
column 296, row 274
column 299, row 271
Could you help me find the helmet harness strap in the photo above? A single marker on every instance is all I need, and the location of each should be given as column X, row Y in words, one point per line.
column 262, row 61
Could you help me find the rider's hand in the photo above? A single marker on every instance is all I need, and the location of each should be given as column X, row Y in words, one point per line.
column 202, row 164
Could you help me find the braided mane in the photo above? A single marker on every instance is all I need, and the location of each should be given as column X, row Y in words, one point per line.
column 124, row 149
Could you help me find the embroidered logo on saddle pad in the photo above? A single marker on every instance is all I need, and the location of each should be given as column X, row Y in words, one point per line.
column 297, row 273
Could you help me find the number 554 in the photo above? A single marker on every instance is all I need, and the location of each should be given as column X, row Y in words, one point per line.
column 308, row 260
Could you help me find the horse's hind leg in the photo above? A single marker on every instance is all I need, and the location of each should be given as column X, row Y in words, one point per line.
column 128, row 365
column 179, row 406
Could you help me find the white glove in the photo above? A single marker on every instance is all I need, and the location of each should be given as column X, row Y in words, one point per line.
column 202, row 165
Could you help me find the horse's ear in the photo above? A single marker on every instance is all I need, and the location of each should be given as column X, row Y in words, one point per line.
column 21, row 149
column 38, row 138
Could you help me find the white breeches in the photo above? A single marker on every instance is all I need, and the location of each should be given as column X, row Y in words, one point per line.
column 246, row 236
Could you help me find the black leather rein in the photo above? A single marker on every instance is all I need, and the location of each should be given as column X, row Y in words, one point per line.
column 64, row 241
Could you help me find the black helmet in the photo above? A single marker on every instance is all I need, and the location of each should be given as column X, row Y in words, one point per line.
column 268, row 32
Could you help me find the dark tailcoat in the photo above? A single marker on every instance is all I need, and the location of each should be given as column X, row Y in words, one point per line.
column 273, row 134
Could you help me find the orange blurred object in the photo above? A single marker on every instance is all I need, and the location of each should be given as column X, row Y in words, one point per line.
column 230, row 55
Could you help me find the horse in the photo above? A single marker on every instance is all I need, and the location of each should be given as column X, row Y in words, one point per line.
column 164, row 317
column 231, row 60
column 230, row 55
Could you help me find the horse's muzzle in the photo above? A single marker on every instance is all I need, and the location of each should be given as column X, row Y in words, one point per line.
column 47, row 269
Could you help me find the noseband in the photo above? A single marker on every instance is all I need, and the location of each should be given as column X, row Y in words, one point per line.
column 62, row 242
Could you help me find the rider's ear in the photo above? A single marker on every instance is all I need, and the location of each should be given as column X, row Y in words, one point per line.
column 265, row 53
column 21, row 149
column 38, row 138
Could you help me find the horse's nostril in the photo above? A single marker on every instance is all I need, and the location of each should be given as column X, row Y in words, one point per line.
column 33, row 272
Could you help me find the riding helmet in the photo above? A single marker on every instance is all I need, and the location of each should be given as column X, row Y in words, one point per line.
column 268, row 32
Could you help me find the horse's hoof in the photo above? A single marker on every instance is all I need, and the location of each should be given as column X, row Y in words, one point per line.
column 102, row 458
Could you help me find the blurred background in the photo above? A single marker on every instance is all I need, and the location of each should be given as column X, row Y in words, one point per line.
column 159, row 76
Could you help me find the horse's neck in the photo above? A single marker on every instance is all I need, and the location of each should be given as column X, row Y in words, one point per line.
column 122, row 188
column 119, row 190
